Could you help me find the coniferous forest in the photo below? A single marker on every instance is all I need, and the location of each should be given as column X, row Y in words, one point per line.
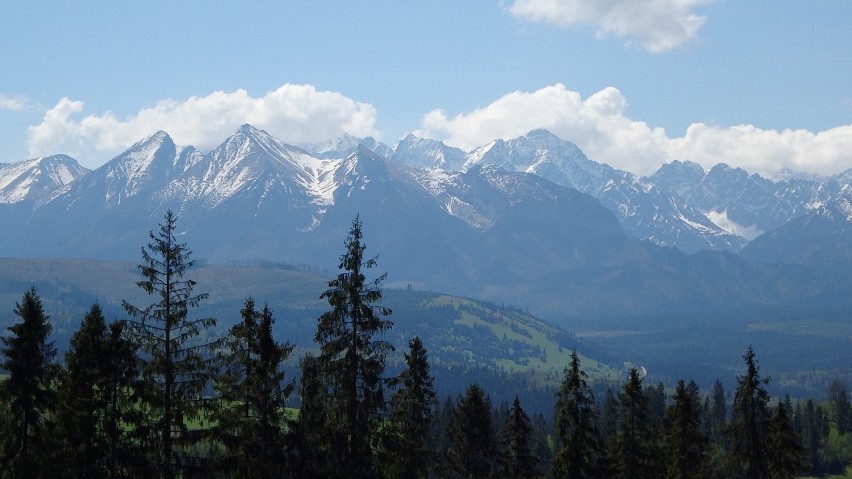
column 159, row 394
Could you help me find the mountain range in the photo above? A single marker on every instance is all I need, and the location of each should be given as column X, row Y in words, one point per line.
column 529, row 221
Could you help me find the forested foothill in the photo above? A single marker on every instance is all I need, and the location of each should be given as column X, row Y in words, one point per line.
column 162, row 393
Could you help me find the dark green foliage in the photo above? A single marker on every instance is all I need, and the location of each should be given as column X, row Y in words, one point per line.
column 96, row 400
column 685, row 443
column 351, row 361
column 716, row 416
column 519, row 461
column 176, row 360
column 576, row 418
column 838, row 398
column 784, row 447
column 28, row 393
column 814, row 426
column 747, row 432
column 250, row 419
column 311, row 439
column 473, row 449
column 636, row 452
column 412, row 408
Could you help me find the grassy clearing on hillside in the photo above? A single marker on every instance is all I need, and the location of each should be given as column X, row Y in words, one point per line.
column 513, row 326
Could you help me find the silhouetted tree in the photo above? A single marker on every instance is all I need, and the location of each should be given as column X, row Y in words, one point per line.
column 29, row 392
column 838, row 398
column 312, row 442
column 636, row 456
column 411, row 415
column 747, row 432
column 176, row 364
column 685, row 443
column 351, row 360
column 473, row 449
column 95, row 399
column 576, row 418
column 519, row 461
column 784, row 446
column 250, row 418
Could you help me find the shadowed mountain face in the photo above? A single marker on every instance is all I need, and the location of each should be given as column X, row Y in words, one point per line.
column 530, row 222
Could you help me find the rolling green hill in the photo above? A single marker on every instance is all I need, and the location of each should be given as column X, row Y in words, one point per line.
column 468, row 340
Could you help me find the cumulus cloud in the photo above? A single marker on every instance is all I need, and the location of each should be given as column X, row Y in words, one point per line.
column 295, row 113
column 600, row 126
column 655, row 26
column 13, row 103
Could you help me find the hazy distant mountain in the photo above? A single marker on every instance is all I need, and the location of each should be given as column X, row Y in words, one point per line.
column 532, row 238
column 820, row 237
column 644, row 210
column 34, row 181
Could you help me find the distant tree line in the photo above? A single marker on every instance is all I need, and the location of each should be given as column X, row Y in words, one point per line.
column 156, row 395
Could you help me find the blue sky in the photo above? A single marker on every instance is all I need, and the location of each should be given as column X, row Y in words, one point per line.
column 758, row 84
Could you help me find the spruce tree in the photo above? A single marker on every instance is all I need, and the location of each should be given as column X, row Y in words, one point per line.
column 412, row 407
column 96, row 400
column 519, row 461
column 636, row 455
column 838, row 398
column 351, row 360
column 312, row 442
column 251, row 393
column 176, row 364
column 473, row 450
column 784, row 449
column 717, row 416
column 83, row 399
column 121, row 382
column 29, row 392
column 747, row 432
column 579, row 443
column 685, row 443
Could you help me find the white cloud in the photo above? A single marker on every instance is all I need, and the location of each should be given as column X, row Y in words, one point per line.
column 656, row 26
column 295, row 113
column 13, row 103
column 599, row 125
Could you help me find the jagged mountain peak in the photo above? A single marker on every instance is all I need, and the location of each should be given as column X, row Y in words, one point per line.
column 339, row 147
column 37, row 179
column 529, row 153
column 427, row 153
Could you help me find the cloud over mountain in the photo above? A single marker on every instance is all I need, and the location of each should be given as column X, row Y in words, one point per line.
column 656, row 26
column 599, row 124
column 297, row 113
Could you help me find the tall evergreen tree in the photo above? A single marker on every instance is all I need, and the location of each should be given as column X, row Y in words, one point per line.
column 250, row 386
column 412, row 407
column 312, row 442
column 352, row 361
column 747, row 432
column 96, row 400
column 579, row 443
column 685, row 442
column 473, row 449
column 838, row 398
column 814, row 426
column 121, row 382
column 636, row 455
column 29, row 391
column 519, row 461
column 784, row 446
column 178, row 351
column 717, row 416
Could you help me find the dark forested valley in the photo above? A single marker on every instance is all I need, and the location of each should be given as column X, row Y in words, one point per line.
column 164, row 391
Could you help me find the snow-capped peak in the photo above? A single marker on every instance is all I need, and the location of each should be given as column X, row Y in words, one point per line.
column 38, row 178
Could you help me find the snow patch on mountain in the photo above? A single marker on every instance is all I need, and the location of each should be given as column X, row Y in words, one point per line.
column 37, row 179
column 721, row 220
